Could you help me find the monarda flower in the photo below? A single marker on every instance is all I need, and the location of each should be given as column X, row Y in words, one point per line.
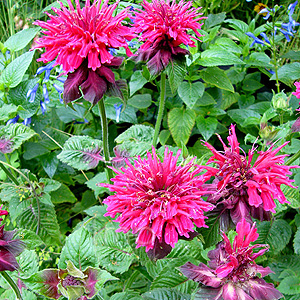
column 297, row 93
column 80, row 39
column 232, row 273
column 159, row 201
column 164, row 27
column 244, row 188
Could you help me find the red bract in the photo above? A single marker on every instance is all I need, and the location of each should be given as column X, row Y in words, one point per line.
column 80, row 40
column 243, row 188
column 158, row 200
column 163, row 27
column 233, row 273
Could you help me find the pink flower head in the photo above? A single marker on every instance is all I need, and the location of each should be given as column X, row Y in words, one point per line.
column 233, row 273
column 159, row 201
column 244, row 188
column 163, row 27
column 80, row 39
column 297, row 93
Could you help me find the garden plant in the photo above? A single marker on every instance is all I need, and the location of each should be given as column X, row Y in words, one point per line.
column 149, row 150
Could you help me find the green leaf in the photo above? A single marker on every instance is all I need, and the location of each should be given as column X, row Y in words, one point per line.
column 288, row 73
column 238, row 25
column 244, row 117
column 137, row 82
column 62, row 194
column 50, row 163
column 21, row 39
column 214, row 19
column 290, row 285
column 211, row 235
column 28, row 262
column 228, row 99
column 190, row 93
column 277, row 234
column 259, row 59
column 48, row 229
column 81, row 152
column 205, row 100
column 12, row 75
column 251, row 85
column 207, row 126
column 165, row 294
column 30, row 238
column 17, row 134
column 79, row 248
column 137, row 139
column 213, row 58
column 226, row 44
column 217, row 77
column 140, row 101
column 297, row 241
column 7, row 111
column 176, row 70
column 181, row 123
column 292, row 195
column 93, row 184
column 191, row 248
column 112, row 249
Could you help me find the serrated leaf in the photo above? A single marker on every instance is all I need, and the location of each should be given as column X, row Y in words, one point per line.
column 94, row 182
column 30, row 238
column 211, row 235
column 290, row 285
column 137, row 81
column 258, row 59
column 46, row 217
column 207, row 126
column 292, row 195
column 112, row 249
column 62, row 194
column 297, row 241
column 7, row 111
column 191, row 248
column 137, row 139
column 79, row 248
column 190, row 93
column 12, row 75
column 140, row 101
column 213, row 58
column 217, row 77
column 165, row 294
column 28, row 262
column 244, row 117
column 181, row 123
column 17, row 134
column 176, row 70
column 81, row 152
column 277, row 234
column 21, row 39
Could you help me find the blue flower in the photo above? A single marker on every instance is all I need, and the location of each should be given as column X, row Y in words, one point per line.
column 32, row 93
column 61, row 79
column 43, row 107
column 47, row 69
column 112, row 51
column 27, row 121
column 287, row 34
column 60, row 90
column 118, row 109
column 45, row 93
column 256, row 40
column 13, row 120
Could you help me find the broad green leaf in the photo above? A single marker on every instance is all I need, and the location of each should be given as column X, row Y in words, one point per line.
column 207, row 126
column 30, row 238
column 226, row 44
column 288, row 73
column 217, row 77
column 277, row 234
column 244, row 117
column 79, row 248
column 258, row 59
column 205, row 100
column 190, row 93
column 292, row 55
column 214, row 19
column 227, row 100
column 137, row 139
column 211, row 235
column 81, row 152
column 28, row 262
column 237, row 24
column 292, row 195
column 113, row 250
column 127, row 115
column 191, row 248
column 176, row 70
column 50, row 163
column 181, row 123
column 137, row 81
column 128, row 295
column 43, row 215
column 212, row 58
column 290, row 285
column 63, row 194
column 140, row 101
column 17, row 134
column 12, row 75
column 165, row 294
column 297, row 241
column 21, row 39
column 93, row 184
column 7, row 111
column 251, row 85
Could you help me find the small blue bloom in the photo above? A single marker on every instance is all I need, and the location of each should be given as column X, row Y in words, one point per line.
column 118, row 109
column 45, row 93
column 61, row 79
column 265, row 37
column 27, row 121
column 132, row 44
column 112, row 51
column 13, row 120
column 286, row 34
column 291, row 8
column 47, row 69
column 270, row 71
column 256, row 40
column 60, row 90
column 32, row 93
column 43, row 107
column 265, row 11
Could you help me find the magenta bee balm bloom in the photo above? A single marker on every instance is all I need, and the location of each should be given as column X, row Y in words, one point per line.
column 233, row 273
column 159, row 201
column 80, row 40
column 163, row 27
column 245, row 188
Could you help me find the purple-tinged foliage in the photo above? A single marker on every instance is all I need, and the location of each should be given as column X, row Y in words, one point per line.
column 232, row 273
column 120, row 158
column 5, row 145
column 92, row 156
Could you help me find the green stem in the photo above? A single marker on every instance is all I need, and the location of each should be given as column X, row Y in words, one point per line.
column 12, row 285
column 161, row 107
column 12, row 178
column 105, row 138
column 274, row 53
column 293, row 158
column 8, row 161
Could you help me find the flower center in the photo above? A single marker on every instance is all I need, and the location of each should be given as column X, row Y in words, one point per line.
column 70, row 280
